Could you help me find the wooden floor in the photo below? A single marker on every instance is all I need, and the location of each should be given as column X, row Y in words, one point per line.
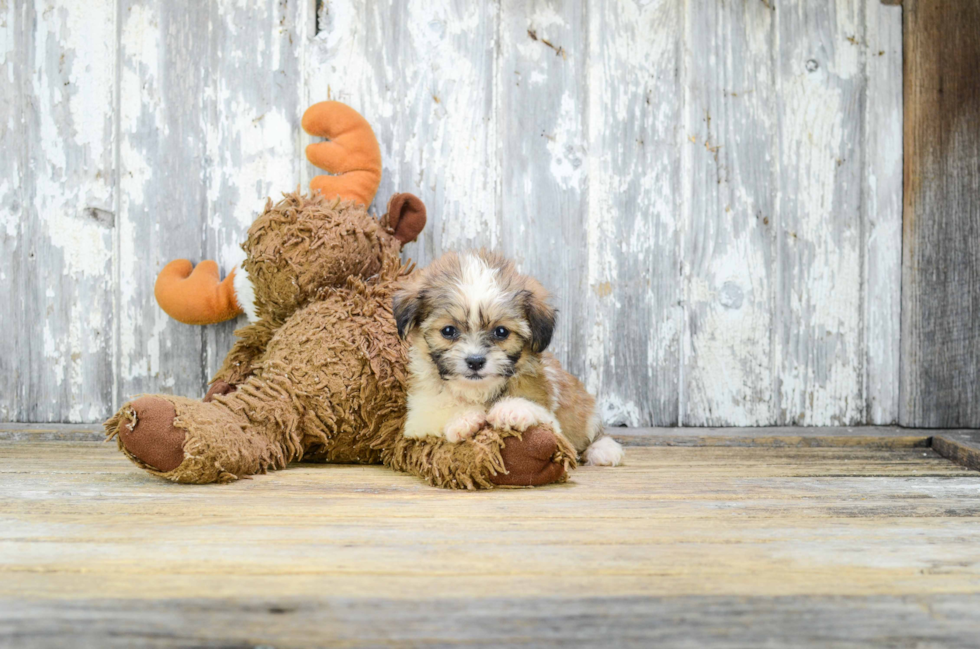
column 767, row 544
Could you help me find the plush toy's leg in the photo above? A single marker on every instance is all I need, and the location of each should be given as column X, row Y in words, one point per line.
column 491, row 458
column 250, row 431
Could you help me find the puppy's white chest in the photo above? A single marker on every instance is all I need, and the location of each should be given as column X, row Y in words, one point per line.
column 428, row 413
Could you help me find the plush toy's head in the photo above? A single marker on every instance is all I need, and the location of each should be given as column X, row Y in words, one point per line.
column 303, row 244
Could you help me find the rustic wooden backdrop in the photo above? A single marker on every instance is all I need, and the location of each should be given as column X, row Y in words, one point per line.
column 711, row 188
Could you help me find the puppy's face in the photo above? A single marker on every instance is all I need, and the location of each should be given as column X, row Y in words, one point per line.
column 475, row 317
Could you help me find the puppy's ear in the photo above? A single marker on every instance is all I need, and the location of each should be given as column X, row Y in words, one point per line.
column 540, row 317
column 407, row 309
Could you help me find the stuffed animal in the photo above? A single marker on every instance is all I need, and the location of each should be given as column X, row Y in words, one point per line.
column 318, row 374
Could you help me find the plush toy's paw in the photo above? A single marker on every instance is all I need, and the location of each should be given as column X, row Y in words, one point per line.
column 465, row 425
column 219, row 388
column 150, row 435
column 518, row 414
column 532, row 459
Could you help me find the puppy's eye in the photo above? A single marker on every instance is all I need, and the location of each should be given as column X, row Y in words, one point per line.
column 449, row 333
column 500, row 333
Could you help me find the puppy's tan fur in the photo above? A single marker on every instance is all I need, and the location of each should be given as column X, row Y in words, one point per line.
column 454, row 314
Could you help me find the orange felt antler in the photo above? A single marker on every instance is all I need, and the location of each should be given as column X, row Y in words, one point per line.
column 196, row 297
column 352, row 152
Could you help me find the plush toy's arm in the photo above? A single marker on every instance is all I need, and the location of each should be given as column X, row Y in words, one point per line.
column 538, row 456
column 240, row 361
column 196, row 297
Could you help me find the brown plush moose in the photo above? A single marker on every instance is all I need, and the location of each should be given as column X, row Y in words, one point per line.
column 319, row 373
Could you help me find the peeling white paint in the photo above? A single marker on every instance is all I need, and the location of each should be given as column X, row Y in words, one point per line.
column 726, row 370
column 633, row 201
column 10, row 178
column 10, row 217
column 83, row 76
column 614, row 411
column 567, row 153
column 883, row 149
column 62, row 196
column 819, row 359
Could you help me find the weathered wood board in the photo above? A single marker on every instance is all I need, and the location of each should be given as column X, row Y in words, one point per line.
column 940, row 384
column 881, row 437
column 681, row 546
column 162, row 169
column 730, row 217
column 882, row 210
column 712, row 192
column 819, row 230
column 690, row 622
column 57, row 209
column 962, row 447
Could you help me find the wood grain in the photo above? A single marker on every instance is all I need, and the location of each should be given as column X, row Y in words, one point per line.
column 776, row 437
column 940, row 384
column 705, row 520
column 882, row 212
column 962, row 447
column 818, row 223
column 15, row 257
column 51, row 432
column 635, row 316
column 163, row 168
column 58, row 210
column 761, row 532
column 688, row 622
column 730, row 180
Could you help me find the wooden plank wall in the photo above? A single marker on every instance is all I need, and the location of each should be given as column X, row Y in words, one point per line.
column 57, row 195
column 941, row 265
column 712, row 190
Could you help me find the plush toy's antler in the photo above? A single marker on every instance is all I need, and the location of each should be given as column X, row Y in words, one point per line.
column 196, row 297
column 352, row 152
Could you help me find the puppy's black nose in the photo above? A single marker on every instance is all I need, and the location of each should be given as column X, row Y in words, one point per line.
column 476, row 362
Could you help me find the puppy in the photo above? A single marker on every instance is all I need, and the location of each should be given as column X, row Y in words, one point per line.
column 477, row 331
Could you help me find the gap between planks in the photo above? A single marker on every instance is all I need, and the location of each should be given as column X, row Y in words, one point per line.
column 960, row 446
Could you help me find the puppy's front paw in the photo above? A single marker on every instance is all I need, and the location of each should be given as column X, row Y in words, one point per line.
column 465, row 425
column 518, row 414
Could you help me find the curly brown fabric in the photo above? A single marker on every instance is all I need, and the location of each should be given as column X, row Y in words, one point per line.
column 484, row 462
column 304, row 244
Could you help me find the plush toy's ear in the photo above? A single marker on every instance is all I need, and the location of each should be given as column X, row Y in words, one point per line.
column 540, row 317
column 407, row 309
column 406, row 216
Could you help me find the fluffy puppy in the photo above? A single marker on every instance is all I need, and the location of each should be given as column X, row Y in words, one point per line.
column 477, row 331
